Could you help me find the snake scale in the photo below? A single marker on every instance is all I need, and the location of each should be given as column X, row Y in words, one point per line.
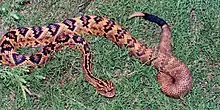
column 173, row 75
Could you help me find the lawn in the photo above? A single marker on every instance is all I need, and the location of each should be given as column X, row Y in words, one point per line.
column 196, row 41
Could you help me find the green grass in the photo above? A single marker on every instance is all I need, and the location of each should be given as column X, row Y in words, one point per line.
column 196, row 41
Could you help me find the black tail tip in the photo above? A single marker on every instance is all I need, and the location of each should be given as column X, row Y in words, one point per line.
column 149, row 17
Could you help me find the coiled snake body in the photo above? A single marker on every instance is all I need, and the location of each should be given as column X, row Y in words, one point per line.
column 173, row 75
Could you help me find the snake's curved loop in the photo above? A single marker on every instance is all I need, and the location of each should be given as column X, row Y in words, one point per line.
column 173, row 75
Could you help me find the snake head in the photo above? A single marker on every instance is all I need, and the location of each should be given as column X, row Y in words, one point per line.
column 106, row 88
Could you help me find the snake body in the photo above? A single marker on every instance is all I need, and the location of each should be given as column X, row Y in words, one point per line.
column 173, row 75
